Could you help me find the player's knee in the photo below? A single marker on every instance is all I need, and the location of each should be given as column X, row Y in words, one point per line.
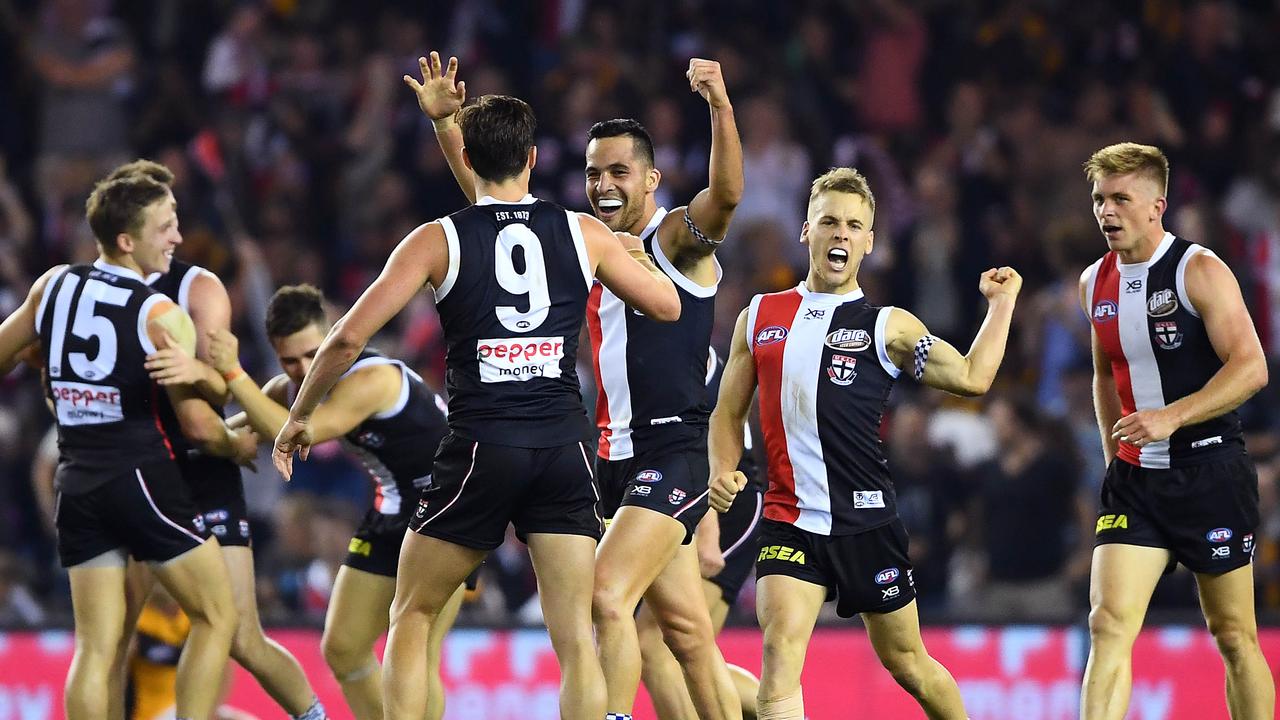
column 687, row 638
column 783, row 649
column 1234, row 640
column 216, row 611
column 1108, row 626
column 607, row 606
column 908, row 668
column 342, row 654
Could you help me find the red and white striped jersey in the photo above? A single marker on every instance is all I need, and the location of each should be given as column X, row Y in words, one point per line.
column 824, row 376
column 650, row 375
column 1159, row 350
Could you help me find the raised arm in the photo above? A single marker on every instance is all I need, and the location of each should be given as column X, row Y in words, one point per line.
column 440, row 99
column 912, row 348
column 421, row 258
column 1215, row 295
column 725, row 441
column 620, row 262
column 712, row 208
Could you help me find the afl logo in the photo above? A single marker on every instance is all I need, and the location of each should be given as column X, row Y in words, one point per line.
column 1104, row 311
column 851, row 340
column 886, row 576
column 1161, row 303
column 771, row 334
column 648, row 476
column 1218, row 535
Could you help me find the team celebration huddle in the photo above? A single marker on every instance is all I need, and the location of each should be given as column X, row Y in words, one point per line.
column 703, row 469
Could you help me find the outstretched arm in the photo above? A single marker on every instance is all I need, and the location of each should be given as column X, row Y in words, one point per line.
column 1215, row 294
column 422, row 257
column 440, row 99
column 711, row 209
column 936, row 362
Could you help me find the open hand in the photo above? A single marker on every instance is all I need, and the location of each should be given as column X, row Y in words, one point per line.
column 438, row 95
column 295, row 436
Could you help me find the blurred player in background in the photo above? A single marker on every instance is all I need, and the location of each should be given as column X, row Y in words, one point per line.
column 1174, row 354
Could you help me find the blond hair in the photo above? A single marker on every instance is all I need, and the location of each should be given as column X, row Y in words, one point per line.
column 1127, row 157
column 845, row 180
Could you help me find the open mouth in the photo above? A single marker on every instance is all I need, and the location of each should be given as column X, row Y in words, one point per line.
column 608, row 207
column 838, row 257
column 1110, row 229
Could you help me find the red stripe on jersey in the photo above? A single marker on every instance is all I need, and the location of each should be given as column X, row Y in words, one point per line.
column 597, row 339
column 1106, row 289
column 155, row 414
column 776, row 310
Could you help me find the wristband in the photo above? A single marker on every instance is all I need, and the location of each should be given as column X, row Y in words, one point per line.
column 234, row 375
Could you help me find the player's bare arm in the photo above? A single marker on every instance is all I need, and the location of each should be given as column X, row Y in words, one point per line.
column 712, row 208
column 1215, row 294
column 168, row 326
column 353, row 399
column 724, row 441
column 210, row 311
column 936, row 362
column 1106, row 400
column 440, row 96
column 421, row 258
column 18, row 331
column 619, row 261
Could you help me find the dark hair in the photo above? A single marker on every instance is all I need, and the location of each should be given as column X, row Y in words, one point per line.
column 141, row 166
column 620, row 127
column 293, row 308
column 497, row 132
column 116, row 206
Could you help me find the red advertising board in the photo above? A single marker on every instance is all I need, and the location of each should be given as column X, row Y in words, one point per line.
column 1027, row 673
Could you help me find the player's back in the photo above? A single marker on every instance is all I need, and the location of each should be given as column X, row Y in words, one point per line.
column 512, row 306
column 92, row 320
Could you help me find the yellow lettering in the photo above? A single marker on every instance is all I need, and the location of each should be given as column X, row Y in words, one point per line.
column 798, row 557
column 359, row 547
column 784, row 554
column 1104, row 523
column 1122, row 521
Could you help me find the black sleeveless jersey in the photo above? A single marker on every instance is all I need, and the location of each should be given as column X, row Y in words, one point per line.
column 92, row 320
column 649, row 374
column 196, row 467
column 824, row 376
column 1159, row 351
column 397, row 447
column 749, row 465
column 512, row 306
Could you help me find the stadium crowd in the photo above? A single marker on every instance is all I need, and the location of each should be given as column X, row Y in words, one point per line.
column 300, row 157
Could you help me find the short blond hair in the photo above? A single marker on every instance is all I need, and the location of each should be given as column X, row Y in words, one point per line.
column 1127, row 157
column 845, row 180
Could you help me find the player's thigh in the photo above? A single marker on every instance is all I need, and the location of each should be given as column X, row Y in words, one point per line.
column 430, row 570
column 1121, row 580
column 98, row 603
column 894, row 634
column 636, row 548
column 139, row 579
column 358, row 610
column 716, row 605
column 1228, row 601
column 565, row 567
column 199, row 582
column 674, row 596
column 240, row 570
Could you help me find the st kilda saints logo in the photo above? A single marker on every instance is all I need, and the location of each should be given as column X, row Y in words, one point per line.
column 1167, row 335
column 843, row 369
